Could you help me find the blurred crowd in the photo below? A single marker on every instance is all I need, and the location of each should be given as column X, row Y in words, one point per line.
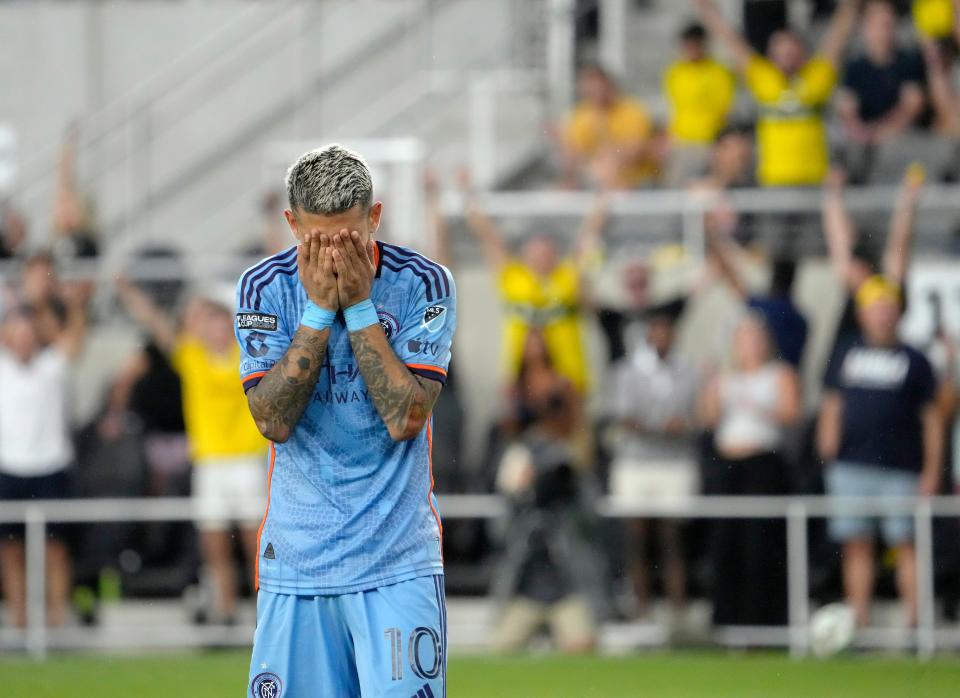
column 652, row 425
column 869, row 76
column 642, row 423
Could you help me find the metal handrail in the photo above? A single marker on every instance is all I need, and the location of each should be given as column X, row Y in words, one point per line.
column 490, row 506
column 795, row 510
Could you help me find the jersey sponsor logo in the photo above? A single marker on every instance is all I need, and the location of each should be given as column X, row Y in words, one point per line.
column 269, row 553
column 340, row 397
column 250, row 366
column 389, row 323
column 257, row 321
column 257, row 344
column 266, row 685
column 341, row 372
column 423, row 347
column 434, row 318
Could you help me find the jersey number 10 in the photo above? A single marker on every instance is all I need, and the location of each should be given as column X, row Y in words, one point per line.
column 414, row 648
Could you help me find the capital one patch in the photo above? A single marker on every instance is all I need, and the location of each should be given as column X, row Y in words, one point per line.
column 257, row 321
column 434, row 318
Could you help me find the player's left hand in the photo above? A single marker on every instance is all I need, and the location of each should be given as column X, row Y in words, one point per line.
column 355, row 269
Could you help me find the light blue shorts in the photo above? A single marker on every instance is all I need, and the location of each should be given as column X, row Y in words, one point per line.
column 388, row 642
column 844, row 479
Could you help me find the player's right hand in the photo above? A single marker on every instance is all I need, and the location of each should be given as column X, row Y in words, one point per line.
column 315, row 264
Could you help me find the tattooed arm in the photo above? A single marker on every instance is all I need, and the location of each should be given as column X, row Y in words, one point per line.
column 404, row 400
column 281, row 396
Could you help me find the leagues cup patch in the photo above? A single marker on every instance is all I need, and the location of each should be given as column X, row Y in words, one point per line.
column 257, row 321
column 266, row 685
column 434, row 318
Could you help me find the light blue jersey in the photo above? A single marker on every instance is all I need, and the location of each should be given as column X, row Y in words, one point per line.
column 349, row 509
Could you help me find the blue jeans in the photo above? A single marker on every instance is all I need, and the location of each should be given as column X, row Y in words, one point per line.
column 845, row 479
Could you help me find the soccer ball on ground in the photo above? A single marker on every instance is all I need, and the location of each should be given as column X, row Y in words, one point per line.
column 832, row 629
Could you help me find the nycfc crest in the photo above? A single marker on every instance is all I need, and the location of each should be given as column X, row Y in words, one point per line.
column 389, row 323
column 266, row 686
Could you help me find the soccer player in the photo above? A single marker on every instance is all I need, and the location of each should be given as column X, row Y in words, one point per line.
column 345, row 343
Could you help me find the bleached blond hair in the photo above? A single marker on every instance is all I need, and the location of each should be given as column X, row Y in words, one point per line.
column 329, row 180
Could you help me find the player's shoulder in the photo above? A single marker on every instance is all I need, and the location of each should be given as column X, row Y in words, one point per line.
column 402, row 265
column 266, row 277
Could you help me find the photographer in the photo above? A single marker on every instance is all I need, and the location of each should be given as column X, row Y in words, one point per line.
column 549, row 573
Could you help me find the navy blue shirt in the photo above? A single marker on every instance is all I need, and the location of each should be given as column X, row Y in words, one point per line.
column 884, row 391
column 878, row 86
column 786, row 323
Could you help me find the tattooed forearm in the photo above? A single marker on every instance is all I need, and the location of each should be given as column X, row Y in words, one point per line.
column 279, row 399
column 403, row 400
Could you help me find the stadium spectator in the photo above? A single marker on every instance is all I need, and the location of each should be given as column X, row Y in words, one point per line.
column 700, row 93
column 943, row 97
column 882, row 94
column 74, row 227
column 40, row 289
column 939, row 57
column 229, row 477
column 853, row 261
column 729, row 165
column 147, row 390
column 540, row 290
column 935, row 19
column 625, row 327
column 549, row 573
column 13, row 233
column 791, row 91
column 541, row 398
column 609, row 139
column 787, row 324
column 276, row 234
column 654, row 404
column 36, row 449
column 882, row 434
column 749, row 408
column 145, row 396
column 762, row 19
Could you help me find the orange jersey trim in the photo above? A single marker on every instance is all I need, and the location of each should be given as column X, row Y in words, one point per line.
column 258, row 374
column 427, row 367
column 430, row 491
column 263, row 521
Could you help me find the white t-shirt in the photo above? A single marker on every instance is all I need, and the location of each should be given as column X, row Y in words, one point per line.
column 653, row 391
column 34, row 427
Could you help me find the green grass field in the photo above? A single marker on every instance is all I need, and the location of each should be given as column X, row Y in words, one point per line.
column 679, row 675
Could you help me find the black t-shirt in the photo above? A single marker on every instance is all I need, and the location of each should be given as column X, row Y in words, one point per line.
column 884, row 391
column 156, row 397
column 878, row 86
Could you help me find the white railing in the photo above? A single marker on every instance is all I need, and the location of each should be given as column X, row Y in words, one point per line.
column 795, row 510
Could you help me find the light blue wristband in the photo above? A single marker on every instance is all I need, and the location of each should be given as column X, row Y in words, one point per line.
column 317, row 318
column 361, row 315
